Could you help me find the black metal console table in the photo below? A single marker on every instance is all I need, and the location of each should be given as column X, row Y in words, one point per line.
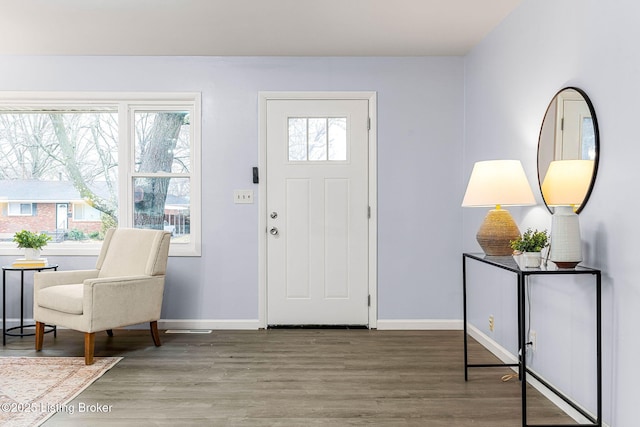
column 509, row 264
column 7, row 331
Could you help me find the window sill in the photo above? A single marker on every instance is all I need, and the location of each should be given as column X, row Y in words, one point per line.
column 93, row 249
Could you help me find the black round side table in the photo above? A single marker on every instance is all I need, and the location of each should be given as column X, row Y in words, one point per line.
column 7, row 331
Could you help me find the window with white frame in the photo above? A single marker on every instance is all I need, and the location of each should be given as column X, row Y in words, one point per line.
column 131, row 158
column 84, row 212
column 20, row 209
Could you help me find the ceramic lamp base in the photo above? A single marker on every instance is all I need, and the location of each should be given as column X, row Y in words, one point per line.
column 496, row 233
column 566, row 245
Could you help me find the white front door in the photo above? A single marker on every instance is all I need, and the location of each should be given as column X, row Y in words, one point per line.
column 62, row 220
column 317, row 211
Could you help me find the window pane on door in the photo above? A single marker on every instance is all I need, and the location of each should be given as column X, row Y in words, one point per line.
column 297, row 139
column 338, row 138
column 318, row 139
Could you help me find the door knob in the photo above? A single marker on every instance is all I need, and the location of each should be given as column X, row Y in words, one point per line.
column 274, row 231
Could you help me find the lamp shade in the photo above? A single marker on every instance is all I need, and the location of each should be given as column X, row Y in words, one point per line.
column 567, row 182
column 498, row 182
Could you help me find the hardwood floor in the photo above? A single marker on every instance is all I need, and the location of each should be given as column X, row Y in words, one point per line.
column 293, row 377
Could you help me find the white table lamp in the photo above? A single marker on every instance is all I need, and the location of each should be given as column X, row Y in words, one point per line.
column 497, row 183
column 564, row 188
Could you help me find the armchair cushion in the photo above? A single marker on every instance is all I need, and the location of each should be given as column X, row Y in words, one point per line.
column 64, row 298
column 122, row 253
column 45, row 279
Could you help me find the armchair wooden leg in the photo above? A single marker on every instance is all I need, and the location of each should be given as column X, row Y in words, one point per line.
column 39, row 335
column 154, row 333
column 89, row 345
column 110, row 332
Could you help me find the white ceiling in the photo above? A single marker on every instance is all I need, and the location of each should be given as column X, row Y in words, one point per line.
column 247, row 27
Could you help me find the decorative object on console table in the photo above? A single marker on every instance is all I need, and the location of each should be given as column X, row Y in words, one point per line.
column 31, row 242
column 529, row 246
column 497, row 183
column 564, row 188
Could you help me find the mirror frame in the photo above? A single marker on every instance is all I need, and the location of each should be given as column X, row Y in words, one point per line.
column 596, row 134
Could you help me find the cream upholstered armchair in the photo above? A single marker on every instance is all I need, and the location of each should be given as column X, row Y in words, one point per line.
column 125, row 288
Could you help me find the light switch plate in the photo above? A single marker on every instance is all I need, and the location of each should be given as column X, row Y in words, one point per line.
column 243, row 196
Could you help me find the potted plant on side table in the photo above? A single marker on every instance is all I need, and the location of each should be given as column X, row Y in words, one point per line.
column 31, row 242
column 530, row 245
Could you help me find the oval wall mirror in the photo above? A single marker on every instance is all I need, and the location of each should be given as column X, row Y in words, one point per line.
column 568, row 150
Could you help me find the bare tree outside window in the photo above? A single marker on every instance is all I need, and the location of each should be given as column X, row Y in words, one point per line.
column 79, row 149
column 162, row 156
column 44, row 153
column 86, row 152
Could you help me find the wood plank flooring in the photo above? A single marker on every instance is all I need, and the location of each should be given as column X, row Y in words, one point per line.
column 293, row 377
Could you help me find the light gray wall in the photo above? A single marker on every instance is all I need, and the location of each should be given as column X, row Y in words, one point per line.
column 420, row 115
column 510, row 78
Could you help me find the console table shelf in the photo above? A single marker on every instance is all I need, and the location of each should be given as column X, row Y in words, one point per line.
column 509, row 264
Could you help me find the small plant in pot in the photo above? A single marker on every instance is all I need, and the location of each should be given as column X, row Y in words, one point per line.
column 530, row 245
column 31, row 242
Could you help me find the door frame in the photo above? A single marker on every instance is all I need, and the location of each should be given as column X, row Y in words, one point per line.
column 263, row 98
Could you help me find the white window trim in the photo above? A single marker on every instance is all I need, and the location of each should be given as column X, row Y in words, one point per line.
column 74, row 206
column 191, row 101
column 19, row 208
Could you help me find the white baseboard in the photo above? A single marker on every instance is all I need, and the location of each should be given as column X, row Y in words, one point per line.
column 419, row 324
column 255, row 324
column 487, row 342
column 239, row 324
column 505, row 356
column 252, row 324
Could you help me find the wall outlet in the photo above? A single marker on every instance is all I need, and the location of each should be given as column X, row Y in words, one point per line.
column 491, row 323
column 243, row 196
column 533, row 339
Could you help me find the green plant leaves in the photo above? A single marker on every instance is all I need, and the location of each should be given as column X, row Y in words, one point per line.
column 29, row 239
column 531, row 241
